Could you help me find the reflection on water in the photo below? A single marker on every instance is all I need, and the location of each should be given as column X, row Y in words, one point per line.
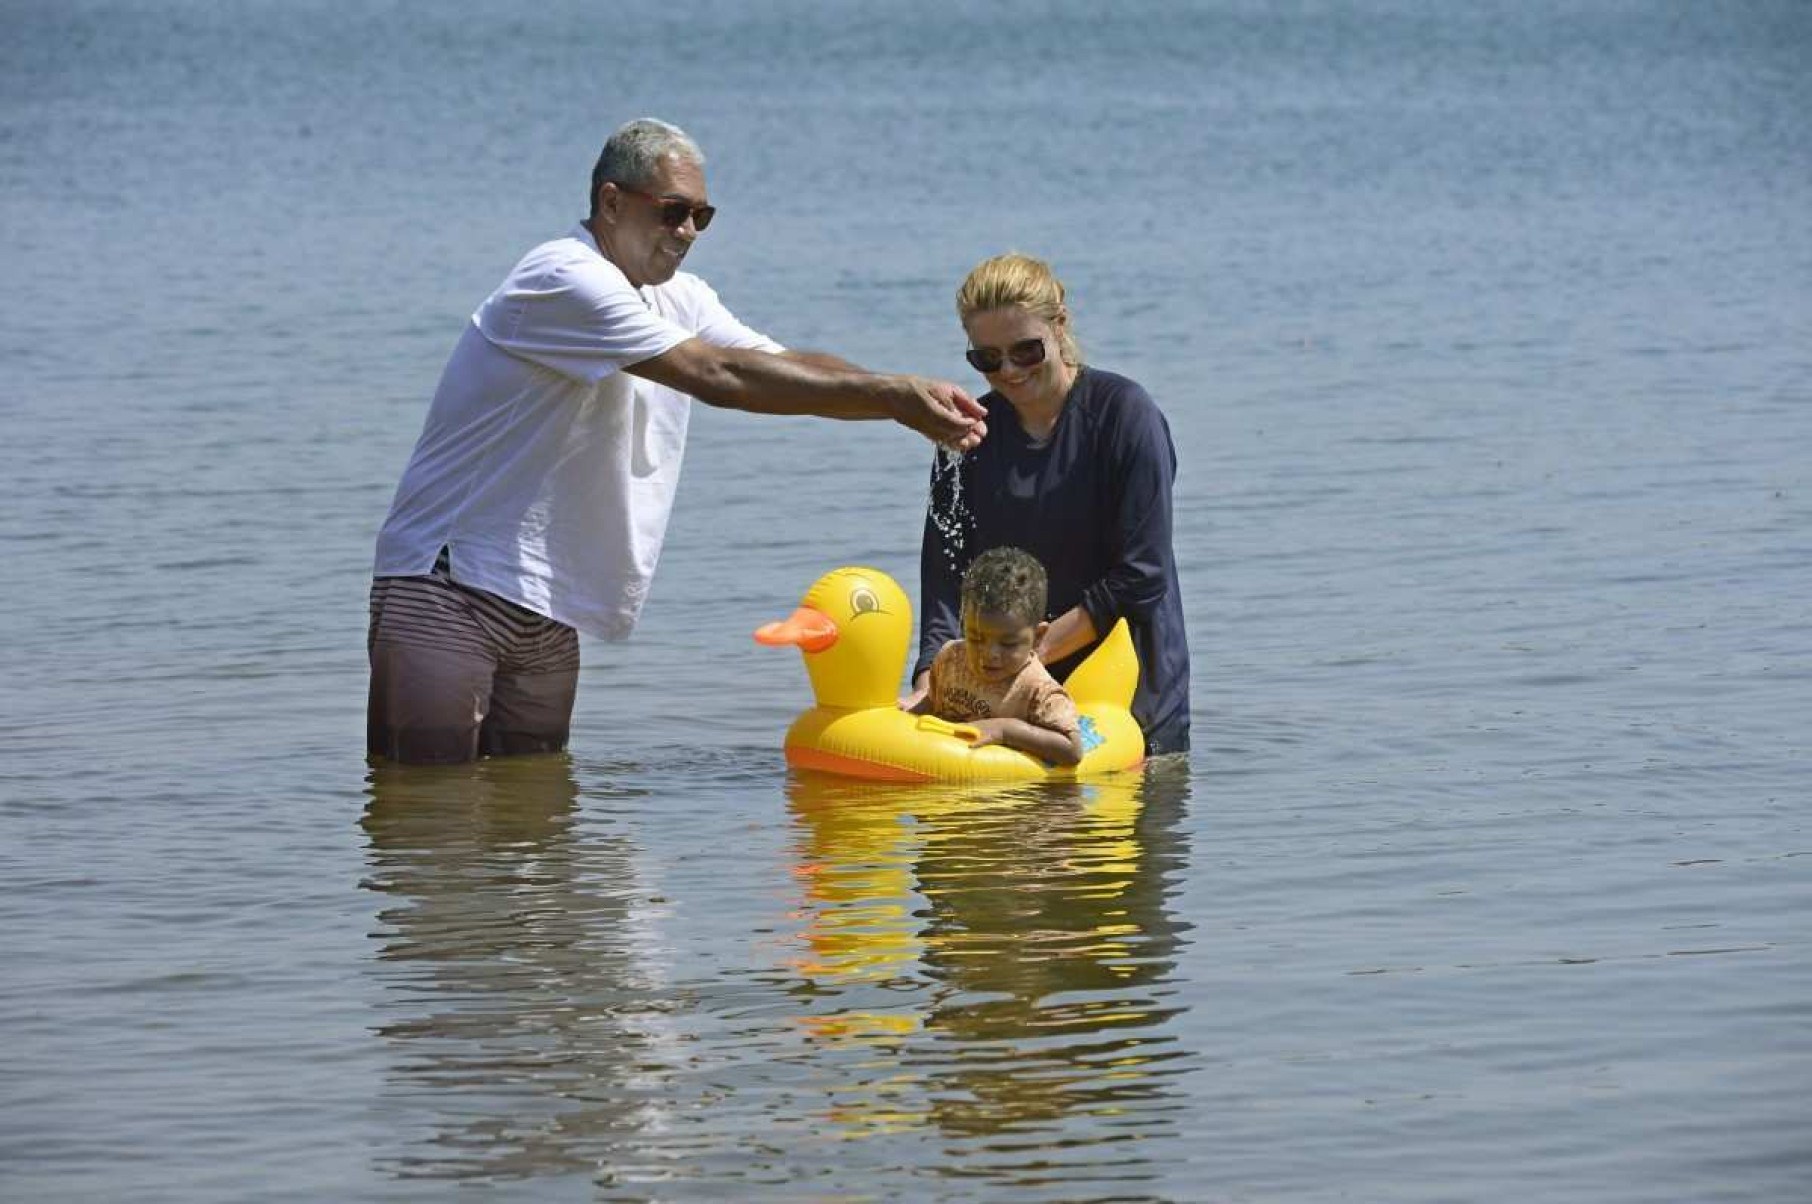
column 990, row 970
column 516, row 1007
column 1008, row 952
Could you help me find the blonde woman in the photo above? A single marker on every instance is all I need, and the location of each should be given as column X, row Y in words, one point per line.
column 1077, row 470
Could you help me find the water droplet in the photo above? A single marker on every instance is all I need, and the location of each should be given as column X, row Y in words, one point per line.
column 946, row 508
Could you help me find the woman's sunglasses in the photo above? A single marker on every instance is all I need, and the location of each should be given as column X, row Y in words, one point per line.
column 1027, row 353
column 674, row 212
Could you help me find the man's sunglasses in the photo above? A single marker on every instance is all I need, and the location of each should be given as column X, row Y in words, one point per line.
column 673, row 211
column 1027, row 353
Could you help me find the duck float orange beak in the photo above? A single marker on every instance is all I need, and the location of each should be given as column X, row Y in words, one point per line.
column 853, row 628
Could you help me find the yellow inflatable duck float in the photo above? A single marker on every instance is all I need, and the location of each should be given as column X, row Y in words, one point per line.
column 854, row 626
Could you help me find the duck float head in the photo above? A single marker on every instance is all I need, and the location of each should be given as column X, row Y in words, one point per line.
column 854, row 627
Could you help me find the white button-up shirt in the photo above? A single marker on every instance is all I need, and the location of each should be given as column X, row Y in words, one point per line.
column 547, row 470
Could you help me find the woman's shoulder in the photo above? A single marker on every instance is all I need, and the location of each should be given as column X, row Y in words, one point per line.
column 1103, row 387
column 1119, row 406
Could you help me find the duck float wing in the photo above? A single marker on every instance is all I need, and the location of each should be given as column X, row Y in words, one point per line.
column 1110, row 674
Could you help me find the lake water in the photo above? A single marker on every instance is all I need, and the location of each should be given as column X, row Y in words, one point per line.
column 1485, row 332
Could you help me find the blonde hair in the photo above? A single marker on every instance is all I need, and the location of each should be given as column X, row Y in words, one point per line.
column 1015, row 280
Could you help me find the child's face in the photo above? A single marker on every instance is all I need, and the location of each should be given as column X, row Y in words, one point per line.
column 998, row 645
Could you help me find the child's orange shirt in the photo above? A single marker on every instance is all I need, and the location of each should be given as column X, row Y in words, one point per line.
column 1032, row 694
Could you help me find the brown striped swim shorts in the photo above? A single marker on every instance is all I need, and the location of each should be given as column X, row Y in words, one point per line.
column 457, row 673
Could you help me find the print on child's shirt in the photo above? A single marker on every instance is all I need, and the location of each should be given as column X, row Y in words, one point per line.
column 961, row 705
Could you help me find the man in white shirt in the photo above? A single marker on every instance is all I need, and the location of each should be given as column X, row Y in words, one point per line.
column 537, row 498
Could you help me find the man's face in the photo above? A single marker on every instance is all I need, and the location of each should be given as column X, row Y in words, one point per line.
column 630, row 228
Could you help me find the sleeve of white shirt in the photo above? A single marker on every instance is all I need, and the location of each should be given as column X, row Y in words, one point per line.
column 719, row 327
column 574, row 314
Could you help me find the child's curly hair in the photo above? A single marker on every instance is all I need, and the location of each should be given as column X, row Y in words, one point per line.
column 1007, row 581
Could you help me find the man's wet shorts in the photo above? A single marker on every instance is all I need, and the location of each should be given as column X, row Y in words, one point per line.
column 457, row 673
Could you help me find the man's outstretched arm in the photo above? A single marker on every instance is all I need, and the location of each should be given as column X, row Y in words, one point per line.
column 815, row 383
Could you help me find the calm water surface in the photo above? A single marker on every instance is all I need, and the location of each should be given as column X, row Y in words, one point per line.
column 1483, row 333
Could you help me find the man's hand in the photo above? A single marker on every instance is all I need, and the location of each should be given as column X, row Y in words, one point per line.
column 941, row 412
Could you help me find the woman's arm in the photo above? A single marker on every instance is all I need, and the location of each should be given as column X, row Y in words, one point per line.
column 1144, row 466
column 1069, row 632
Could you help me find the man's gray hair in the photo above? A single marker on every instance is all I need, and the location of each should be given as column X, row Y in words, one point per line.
column 634, row 153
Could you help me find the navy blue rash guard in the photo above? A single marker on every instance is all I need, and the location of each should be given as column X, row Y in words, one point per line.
column 1093, row 504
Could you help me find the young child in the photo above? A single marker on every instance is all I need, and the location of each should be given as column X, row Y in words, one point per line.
column 992, row 678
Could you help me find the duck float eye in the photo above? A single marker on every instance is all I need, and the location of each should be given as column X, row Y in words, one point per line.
column 863, row 600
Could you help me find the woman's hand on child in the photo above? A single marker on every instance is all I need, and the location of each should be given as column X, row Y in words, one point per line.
column 914, row 699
